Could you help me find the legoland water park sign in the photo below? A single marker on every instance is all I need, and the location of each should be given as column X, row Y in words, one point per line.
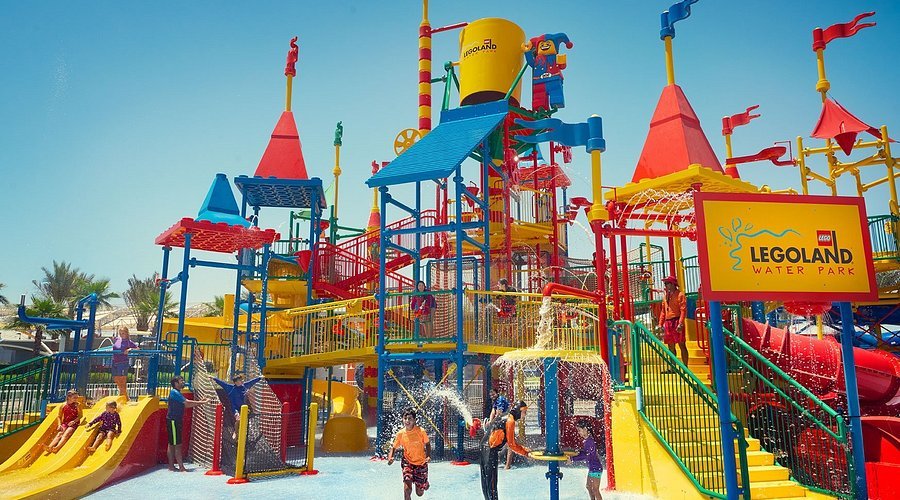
column 784, row 247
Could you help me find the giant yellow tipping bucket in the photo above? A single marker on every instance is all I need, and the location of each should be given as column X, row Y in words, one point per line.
column 490, row 57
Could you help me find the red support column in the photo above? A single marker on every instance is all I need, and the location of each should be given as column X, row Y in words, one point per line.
column 627, row 312
column 672, row 256
column 614, row 277
column 217, row 445
column 285, row 410
column 600, row 270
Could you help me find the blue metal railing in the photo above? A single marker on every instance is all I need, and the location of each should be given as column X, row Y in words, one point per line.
column 90, row 373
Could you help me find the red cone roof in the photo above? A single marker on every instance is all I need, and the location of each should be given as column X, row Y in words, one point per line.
column 675, row 140
column 284, row 155
column 837, row 123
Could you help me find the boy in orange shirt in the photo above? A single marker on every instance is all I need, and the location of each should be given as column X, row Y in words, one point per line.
column 416, row 455
column 672, row 318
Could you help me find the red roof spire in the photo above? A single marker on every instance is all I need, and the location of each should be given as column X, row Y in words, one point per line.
column 675, row 140
column 284, row 154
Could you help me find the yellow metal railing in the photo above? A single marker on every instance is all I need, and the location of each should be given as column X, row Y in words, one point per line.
column 502, row 320
column 334, row 326
column 510, row 320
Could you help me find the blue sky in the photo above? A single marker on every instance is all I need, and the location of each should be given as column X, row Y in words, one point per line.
column 117, row 115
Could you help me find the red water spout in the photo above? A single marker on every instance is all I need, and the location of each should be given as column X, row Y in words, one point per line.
column 552, row 288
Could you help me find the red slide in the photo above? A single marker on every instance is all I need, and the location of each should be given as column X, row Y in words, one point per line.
column 817, row 365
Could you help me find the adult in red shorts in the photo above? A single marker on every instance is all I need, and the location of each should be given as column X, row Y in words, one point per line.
column 672, row 318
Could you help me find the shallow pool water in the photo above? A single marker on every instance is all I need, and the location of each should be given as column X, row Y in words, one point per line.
column 352, row 477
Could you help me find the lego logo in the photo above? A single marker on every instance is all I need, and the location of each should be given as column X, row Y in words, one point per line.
column 824, row 238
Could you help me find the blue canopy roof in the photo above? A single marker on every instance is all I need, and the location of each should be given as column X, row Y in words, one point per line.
column 281, row 193
column 438, row 154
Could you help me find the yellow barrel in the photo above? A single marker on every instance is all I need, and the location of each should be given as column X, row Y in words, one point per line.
column 490, row 57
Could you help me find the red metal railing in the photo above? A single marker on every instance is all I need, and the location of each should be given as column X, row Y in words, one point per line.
column 353, row 264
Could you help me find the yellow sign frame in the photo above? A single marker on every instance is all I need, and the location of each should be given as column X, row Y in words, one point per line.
column 784, row 247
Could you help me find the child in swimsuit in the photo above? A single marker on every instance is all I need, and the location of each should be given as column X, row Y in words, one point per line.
column 110, row 426
column 591, row 454
column 68, row 420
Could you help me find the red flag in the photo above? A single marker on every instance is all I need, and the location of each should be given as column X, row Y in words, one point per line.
column 822, row 37
column 290, row 68
column 836, row 122
column 729, row 123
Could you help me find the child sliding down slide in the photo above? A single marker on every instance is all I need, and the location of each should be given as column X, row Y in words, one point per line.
column 110, row 426
column 68, row 420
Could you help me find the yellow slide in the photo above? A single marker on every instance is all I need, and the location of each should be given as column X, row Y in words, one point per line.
column 345, row 430
column 72, row 472
column 344, row 398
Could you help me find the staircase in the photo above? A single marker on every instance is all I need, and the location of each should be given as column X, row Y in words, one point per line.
column 681, row 407
column 350, row 269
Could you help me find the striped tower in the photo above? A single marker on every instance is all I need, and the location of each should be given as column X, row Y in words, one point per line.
column 424, row 72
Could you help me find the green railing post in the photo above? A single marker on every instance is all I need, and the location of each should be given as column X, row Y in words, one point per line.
column 742, row 455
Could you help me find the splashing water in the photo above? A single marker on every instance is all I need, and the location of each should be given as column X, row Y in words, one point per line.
column 455, row 400
column 544, row 347
column 590, row 235
column 661, row 206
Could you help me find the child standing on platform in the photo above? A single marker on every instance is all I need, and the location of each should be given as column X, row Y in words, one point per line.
column 672, row 319
column 422, row 307
column 416, row 455
column 110, row 426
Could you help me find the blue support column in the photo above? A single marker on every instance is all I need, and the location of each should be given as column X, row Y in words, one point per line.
column 92, row 321
column 460, row 385
column 379, row 346
column 163, row 288
column 486, row 188
column 551, row 419
column 379, row 411
column 758, row 311
column 417, row 258
column 153, row 374
column 853, row 413
column 264, row 275
column 182, row 307
column 439, row 438
column 236, row 316
column 459, row 293
column 76, row 334
column 717, row 345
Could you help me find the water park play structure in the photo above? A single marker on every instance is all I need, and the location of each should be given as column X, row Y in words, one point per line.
column 759, row 407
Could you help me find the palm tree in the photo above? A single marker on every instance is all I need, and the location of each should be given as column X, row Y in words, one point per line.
column 3, row 300
column 99, row 287
column 61, row 284
column 142, row 298
column 217, row 306
column 41, row 307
